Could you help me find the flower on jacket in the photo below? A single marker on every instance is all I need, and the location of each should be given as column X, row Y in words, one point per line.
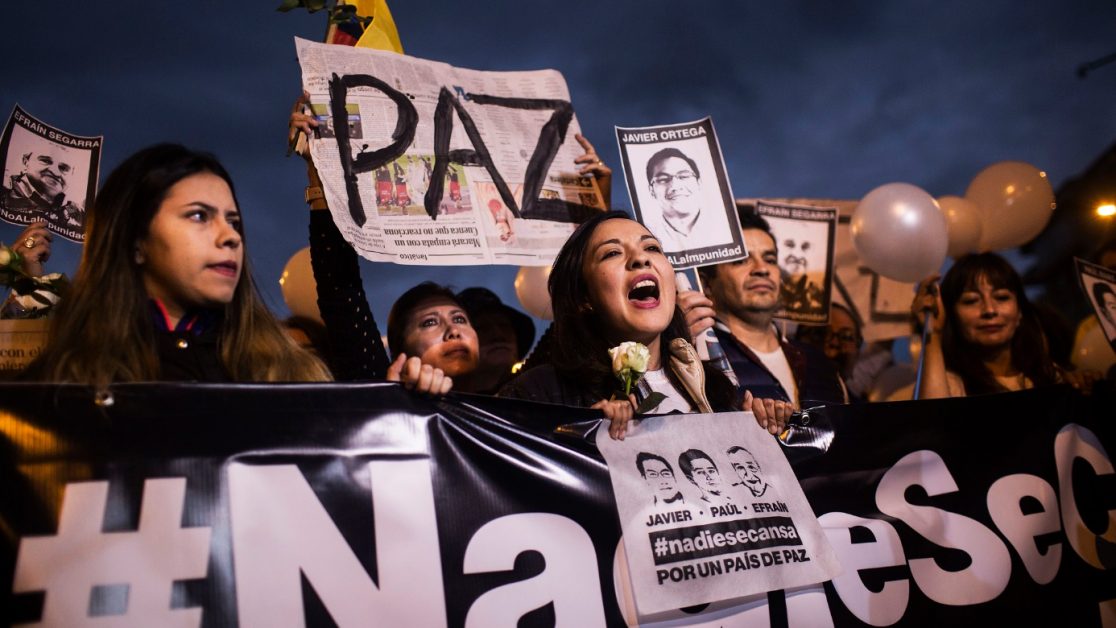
column 629, row 363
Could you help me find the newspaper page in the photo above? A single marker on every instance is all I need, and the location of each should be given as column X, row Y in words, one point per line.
column 1099, row 285
column 425, row 163
column 711, row 510
column 680, row 191
column 49, row 175
column 804, row 237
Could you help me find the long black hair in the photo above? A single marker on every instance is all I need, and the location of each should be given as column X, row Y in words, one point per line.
column 579, row 351
column 1029, row 351
column 103, row 333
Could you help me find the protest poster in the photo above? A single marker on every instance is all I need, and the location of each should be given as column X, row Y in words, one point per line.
column 1099, row 285
column 677, row 183
column 329, row 504
column 49, row 175
column 425, row 163
column 882, row 306
column 804, row 236
column 710, row 511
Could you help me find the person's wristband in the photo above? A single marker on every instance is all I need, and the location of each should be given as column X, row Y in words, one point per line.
column 315, row 197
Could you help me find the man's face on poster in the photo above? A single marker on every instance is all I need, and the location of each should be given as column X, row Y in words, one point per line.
column 1108, row 307
column 794, row 251
column 47, row 169
column 660, row 479
column 747, row 469
column 677, row 187
column 705, row 476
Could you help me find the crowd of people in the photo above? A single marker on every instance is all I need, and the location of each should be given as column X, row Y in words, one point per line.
column 164, row 291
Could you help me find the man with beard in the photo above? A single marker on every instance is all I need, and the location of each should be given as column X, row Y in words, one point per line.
column 40, row 188
column 675, row 182
column 740, row 303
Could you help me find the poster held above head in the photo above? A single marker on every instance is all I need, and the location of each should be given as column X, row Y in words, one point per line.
column 49, row 175
column 680, row 191
column 424, row 163
column 1099, row 286
column 805, row 238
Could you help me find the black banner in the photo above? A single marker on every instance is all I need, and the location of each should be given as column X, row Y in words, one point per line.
column 366, row 505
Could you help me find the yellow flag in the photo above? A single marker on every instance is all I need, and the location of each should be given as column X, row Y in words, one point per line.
column 381, row 33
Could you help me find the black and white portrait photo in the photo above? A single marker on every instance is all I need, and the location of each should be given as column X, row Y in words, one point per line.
column 804, row 237
column 748, row 470
column 702, row 472
column 676, row 180
column 1099, row 286
column 48, row 175
column 659, row 475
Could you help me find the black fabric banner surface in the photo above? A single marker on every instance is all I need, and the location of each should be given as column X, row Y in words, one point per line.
column 367, row 505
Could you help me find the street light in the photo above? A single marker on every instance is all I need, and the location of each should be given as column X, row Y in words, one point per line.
column 1106, row 210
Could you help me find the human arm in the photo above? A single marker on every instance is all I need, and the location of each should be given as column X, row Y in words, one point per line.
column 619, row 413
column 927, row 309
column 356, row 347
column 771, row 414
column 697, row 311
column 591, row 164
column 419, row 377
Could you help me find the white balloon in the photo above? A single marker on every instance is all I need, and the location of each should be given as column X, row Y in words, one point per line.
column 1015, row 201
column 530, row 288
column 1091, row 350
column 962, row 223
column 300, row 291
column 900, row 232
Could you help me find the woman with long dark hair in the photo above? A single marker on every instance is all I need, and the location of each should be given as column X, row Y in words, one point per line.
column 989, row 339
column 611, row 283
column 164, row 290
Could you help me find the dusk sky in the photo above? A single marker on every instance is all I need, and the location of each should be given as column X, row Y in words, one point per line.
column 809, row 99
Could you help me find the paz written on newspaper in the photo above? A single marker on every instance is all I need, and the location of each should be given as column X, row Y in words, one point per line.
column 711, row 510
column 425, row 163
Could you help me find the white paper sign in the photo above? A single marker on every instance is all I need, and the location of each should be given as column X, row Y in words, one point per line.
column 711, row 510
column 425, row 163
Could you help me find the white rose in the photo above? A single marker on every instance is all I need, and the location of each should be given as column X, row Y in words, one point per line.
column 637, row 357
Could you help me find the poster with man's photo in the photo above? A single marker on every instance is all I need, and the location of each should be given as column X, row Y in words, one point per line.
column 710, row 510
column 804, row 236
column 49, row 175
column 1099, row 285
column 680, row 192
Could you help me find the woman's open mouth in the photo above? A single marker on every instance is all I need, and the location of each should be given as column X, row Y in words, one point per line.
column 644, row 292
column 227, row 269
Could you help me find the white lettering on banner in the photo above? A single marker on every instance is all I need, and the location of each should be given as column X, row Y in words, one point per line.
column 1071, row 443
column 807, row 607
column 68, row 565
column 988, row 574
column 280, row 530
column 1004, row 505
column 569, row 580
column 886, row 550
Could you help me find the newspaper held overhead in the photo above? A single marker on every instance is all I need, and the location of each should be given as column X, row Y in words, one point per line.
column 425, row 163
column 804, row 237
column 711, row 510
column 678, row 186
column 49, row 175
